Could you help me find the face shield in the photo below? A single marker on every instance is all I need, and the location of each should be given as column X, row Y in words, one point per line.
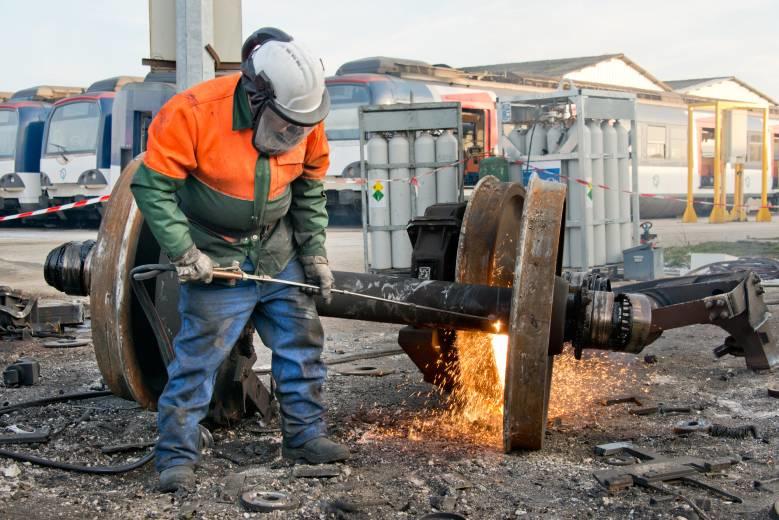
column 274, row 135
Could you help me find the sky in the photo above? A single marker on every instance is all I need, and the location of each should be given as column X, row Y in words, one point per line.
column 76, row 42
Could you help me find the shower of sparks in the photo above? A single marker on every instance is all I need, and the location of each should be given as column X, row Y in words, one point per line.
column 473, row 410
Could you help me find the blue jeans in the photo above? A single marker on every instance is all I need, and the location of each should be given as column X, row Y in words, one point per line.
column 212, row 318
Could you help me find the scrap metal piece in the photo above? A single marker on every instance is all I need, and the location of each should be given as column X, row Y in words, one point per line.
column 661, row 409
column 678, row 496
column 713, row 489
column 15, row 307
column 22, row 372
column 318, row 471
column 365, row 370
column 612, row 448
column 132, row 446
column 773, row 392
column 66, row 343
column 621, row 400
column 655, row 468
column 692, row 426
column 32, row 437
column 267, row 501
column 529, row 364
column 734, row 432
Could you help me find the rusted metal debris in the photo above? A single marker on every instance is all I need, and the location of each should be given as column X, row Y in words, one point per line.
column 716, row 430
column 267, row 501
column 622, row 400
column 655, row 469
column 28, row 316
column 22, row 372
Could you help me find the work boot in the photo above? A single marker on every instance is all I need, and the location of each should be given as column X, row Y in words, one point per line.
column 316, row 451
column 176, row 477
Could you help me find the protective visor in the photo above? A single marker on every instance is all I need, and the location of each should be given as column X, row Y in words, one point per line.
column 274, row 135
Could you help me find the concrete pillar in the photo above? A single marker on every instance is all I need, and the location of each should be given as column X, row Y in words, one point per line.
column 194, row 30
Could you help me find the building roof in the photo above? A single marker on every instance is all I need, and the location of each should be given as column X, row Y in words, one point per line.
column 546, row 68
column 687, row 86
column 683, row 84
column 561, row 68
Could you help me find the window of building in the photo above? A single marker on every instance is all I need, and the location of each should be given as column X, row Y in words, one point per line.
column 678, row 143
column 754, row 147
column 655, row 142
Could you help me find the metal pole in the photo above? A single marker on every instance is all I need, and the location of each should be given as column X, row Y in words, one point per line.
column 194, row 30
column 764, row 215
column 738, row 213
column 689, row 212
column 364, row 193
column 718, row 211
column 634, row 153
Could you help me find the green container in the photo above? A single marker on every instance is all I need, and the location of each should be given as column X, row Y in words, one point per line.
column 495, row 166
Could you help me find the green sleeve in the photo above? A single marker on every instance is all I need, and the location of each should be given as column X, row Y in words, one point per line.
column 155, row 195
column 309, row 216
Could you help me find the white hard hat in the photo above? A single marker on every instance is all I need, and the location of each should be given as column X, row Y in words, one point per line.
column 295, row 79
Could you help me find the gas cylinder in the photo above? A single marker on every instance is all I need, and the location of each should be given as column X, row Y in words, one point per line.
column 598, row 195
column 623, row 166
column 400, row 202
column 424, row 152
column 379, row 203
column 447, row 185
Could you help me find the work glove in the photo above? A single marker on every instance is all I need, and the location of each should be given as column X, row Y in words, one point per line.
column 318, row 273
column 194, row 266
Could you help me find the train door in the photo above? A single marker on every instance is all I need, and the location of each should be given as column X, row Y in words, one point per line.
column 706, row 157
column 775, row 162
column 475, row 143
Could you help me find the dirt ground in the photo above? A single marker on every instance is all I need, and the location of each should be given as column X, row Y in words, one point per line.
column 408, row 458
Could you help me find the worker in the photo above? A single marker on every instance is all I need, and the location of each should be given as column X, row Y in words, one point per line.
column 233, row 176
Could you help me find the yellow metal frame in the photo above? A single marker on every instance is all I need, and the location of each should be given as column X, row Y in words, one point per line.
column 719, row 213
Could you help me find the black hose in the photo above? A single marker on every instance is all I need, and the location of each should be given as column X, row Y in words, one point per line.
column 78, row 468
column 100, row 470
column 137, row 276
column 77, row 396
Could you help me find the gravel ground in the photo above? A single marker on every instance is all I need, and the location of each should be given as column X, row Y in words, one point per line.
column 408, row 459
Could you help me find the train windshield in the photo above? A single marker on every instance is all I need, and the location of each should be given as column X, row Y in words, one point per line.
column 341, row 124
column 9, row 124
column 73, row 128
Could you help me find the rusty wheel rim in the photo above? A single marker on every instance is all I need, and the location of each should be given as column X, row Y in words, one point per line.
column 486, row 251
column 115, row 323
column 529, row 363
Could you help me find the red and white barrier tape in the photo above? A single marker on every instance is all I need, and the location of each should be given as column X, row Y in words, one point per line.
column 414, row 181
column 54, row 209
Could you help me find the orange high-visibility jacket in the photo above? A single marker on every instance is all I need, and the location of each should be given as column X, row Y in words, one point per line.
column 204, row 183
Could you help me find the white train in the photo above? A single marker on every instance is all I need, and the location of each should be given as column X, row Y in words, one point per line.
column 662, row 128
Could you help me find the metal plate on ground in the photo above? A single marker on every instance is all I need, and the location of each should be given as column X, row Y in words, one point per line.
column 364, row 370
column 266, row 501
column 67, row 343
